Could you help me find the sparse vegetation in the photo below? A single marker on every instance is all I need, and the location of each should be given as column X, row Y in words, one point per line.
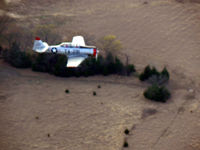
column 99, row 86
column 153, row 76
column 125, row 144
column 16, row 57
column 109, row 44
column 126, row 131
column 94, row 93
column 156, row 93
column 67, row 91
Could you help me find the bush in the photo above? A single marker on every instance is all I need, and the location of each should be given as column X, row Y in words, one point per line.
column 94, row 93
column 110, row 43
column 165, row 73
column 66, row 91
column 56, row 64
column 157, row 93
column 153, row 76
column 129, row 69
column 146, row 74
column 41, row 62
column 126, row 131
column 16, row 57
column 125, row 144
column 105, row 66
column 58, row 68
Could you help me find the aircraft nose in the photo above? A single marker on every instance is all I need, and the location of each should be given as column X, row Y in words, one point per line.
column 94, row 52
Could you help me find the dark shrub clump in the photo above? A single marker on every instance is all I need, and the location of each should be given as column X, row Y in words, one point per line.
column 94, row 93
column 126, row 131
column 66, row 91
column 125, row 144
column 16, row 57
column 153, row 76
column 156, row 93
column 56, row 64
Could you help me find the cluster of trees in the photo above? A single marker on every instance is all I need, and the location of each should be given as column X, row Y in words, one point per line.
column 17, row 51
column 56, row 64
column 157, row 91
column 17, row 43
column 153, row 76
column 16, row 57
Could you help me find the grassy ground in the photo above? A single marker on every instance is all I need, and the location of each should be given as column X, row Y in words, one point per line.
column 161, row 33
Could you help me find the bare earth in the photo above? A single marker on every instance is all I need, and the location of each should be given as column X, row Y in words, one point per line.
column 37, row 114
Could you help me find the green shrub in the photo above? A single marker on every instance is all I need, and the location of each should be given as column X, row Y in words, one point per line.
column 146, row 74
column 105, row 66
column 165, row 73
column 66, row 91
column 94, row 93
column 129, row 69
column 16, row 57
column 56, row 64
column 59, row 67
column 125, row 144
column 41, row 62
column 126, row 131
column 157, row 93
column 153, row 76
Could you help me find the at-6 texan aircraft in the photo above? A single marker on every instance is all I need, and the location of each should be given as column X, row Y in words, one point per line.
column 76, row 51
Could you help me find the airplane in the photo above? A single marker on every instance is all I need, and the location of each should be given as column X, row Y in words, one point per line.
column 76, row 51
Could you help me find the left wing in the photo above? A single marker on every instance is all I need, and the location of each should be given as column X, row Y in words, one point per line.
column 75, row 60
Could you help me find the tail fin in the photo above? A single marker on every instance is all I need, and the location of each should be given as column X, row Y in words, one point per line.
column 40, row 46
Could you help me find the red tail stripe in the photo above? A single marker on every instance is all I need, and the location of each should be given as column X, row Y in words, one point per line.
column 37, row 38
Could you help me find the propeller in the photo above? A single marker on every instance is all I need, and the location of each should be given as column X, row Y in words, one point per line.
column 97, row 54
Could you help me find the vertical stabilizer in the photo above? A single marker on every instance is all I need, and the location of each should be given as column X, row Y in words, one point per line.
column 40, row 46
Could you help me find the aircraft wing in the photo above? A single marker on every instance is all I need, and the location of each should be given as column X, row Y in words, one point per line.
column 78, row 40
column 75, row 61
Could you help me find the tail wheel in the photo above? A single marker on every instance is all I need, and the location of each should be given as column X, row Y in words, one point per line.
column 54, row 50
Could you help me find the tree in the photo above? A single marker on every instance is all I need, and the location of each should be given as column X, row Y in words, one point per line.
column 47, row 33
column 110, row 43
column 157, row 93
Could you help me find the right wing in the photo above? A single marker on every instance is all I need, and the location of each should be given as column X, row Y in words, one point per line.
column 75, row 61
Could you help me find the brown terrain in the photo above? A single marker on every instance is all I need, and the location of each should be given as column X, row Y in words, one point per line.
column 37, row 114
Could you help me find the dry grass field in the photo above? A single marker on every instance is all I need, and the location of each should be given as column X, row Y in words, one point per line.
column 37, row 114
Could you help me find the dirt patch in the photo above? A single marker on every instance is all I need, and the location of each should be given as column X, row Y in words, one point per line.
column 148, row 112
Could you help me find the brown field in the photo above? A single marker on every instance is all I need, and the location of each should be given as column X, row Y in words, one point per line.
column 37, row 114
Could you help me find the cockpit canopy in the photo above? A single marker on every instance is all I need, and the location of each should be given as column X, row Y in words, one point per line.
column 67, row 44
